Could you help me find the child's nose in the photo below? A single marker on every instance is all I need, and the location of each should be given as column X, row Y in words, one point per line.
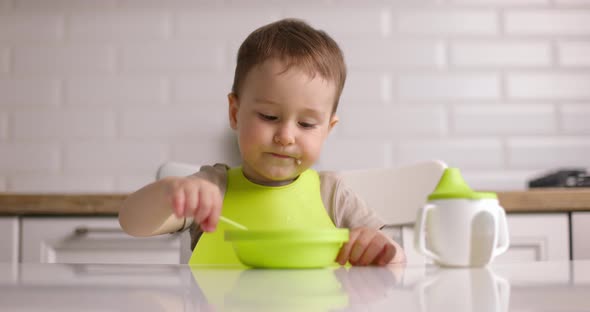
column 285, row 135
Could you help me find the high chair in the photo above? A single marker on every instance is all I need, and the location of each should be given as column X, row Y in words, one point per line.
column 395, row 194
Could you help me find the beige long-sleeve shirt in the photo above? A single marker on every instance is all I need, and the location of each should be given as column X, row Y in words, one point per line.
column 344, row 207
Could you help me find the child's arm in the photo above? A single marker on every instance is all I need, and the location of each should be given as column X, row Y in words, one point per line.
column 161, row 207
column 367, row 244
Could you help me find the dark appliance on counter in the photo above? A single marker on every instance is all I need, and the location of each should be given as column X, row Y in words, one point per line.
column 573, row 177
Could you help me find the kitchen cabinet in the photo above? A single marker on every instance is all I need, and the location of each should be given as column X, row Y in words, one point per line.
column 533, row 237
column 92, row 240
column 9, row 239
column 43, row 228
column 537, row 237
column 580, row 235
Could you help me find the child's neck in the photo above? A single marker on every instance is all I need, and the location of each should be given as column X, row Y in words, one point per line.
column 269, row 183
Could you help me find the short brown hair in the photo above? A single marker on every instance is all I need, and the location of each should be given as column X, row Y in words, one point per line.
column 298, row 44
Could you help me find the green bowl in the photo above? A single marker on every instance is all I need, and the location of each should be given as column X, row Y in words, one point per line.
column 287, row 249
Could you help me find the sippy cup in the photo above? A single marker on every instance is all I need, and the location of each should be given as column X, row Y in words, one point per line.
column 460, row 227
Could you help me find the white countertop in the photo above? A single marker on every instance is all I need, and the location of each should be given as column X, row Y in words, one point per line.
column 539, row 286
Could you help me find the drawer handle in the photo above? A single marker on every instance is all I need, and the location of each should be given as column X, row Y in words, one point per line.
column 83, row 230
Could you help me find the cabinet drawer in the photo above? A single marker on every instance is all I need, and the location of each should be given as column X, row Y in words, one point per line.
column 537, row 237
column 581, row 234
column 9, row 239
column 92, row 240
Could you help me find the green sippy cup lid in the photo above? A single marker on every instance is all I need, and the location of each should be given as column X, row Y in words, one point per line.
column 452, row 186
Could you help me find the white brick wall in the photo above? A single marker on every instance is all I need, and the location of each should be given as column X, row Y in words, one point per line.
column 502, row 2
column 548, row 152
column 115, row 157
column 574, row 118
column 374, row 89
column 391, row 55
column 120, row 26
column 171, row 57
column 487, row 53
column 42, row 158
column 20, row 92
column 3, row 126
column 4, row 4
column 212, row 91
column 199, row 23
column 30, row 26
column 177, row 122
column 429, row 120
column 338, row 21
column 46, row 125
column 95, row 95
column 34, row 183
column 122, row 91
column 63, row 5
column 574, row 54
column 350, row 154
column 448, row 22
column 544, row 22
column 468, row 154
column 449, row 86
column 557, row 85
column 36, row 59
column 500, row 120
column 4, row 60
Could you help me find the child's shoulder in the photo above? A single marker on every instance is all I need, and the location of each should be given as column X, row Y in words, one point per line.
column 330, row 180
column 216, row 174
column 217, row 169
column 329, row 176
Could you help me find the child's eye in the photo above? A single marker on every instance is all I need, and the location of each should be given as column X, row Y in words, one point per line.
column 267, row 117
column 306, row 125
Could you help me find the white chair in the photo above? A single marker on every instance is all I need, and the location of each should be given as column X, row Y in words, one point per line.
column 396, row 194
column 176, row 169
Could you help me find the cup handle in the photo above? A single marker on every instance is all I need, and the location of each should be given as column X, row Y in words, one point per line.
column 419, row 235
column 503, row 237
column 504, row 293
column 422, row 287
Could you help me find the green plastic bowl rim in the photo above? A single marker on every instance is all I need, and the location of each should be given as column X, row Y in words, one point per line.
column 291, row 235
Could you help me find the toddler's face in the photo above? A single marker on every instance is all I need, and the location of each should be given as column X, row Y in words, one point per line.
column 282, row 119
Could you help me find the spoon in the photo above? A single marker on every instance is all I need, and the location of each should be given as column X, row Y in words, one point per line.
column 233, row 223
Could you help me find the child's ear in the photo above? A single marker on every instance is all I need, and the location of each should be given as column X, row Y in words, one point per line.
column 234, row 106
column 333, row 121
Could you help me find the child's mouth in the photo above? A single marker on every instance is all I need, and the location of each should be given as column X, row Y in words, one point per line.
column 280, row 156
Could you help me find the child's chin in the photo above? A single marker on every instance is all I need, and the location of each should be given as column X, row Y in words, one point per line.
column 281, row 175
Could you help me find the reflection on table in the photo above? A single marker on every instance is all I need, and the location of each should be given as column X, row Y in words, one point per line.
column 547, row 286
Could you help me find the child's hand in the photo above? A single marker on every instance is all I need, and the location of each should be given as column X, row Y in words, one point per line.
column 368, row 246
column 198, row 198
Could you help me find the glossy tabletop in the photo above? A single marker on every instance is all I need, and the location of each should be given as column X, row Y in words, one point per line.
column 538, row 286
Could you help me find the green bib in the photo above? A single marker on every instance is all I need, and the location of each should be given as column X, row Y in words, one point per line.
column 293, row 206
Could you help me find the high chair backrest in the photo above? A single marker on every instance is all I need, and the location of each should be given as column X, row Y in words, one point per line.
column 395, row 194
column 176, row 169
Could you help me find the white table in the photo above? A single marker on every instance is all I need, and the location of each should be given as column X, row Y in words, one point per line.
column 539, row 286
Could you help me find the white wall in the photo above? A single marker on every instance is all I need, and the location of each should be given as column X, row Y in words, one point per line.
column 94, row 95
